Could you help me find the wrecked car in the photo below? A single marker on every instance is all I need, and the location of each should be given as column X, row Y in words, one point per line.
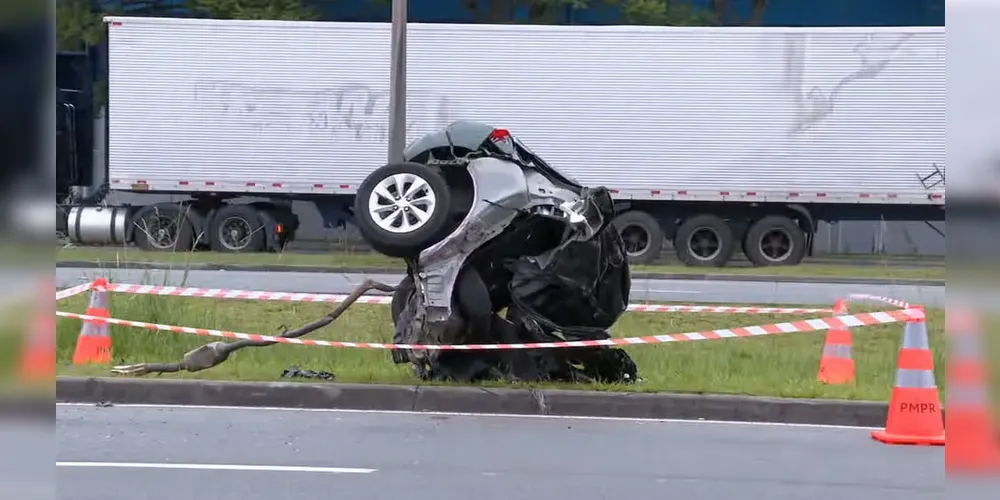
column 485, row 225
column 500, row 247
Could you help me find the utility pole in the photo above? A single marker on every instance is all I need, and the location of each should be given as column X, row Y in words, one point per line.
column 397, row 83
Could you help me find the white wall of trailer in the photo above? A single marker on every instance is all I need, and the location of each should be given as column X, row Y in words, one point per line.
column 654, row 112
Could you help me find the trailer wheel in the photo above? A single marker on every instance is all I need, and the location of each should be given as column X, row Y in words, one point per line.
column 704, row 241
column 163, row 227
column 401, row 209
column 236, row 228
column 775, row 240
column 642, row 235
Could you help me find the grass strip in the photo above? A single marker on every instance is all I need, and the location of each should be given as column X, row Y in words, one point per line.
column 104, row 256
column 781, row 365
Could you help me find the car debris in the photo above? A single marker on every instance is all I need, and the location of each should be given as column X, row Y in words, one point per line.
column 296, row 372
column 500, row 247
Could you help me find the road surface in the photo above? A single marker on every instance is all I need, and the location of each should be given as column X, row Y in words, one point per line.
column 26, row 446
column 158, row 453
column 722, row 292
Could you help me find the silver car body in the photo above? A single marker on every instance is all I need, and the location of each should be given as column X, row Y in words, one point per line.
column 501, row 190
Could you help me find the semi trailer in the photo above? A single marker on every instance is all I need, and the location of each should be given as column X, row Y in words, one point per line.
column 716, row 140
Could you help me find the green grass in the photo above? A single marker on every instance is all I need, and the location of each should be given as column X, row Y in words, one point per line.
column 781, row 365
column 113, row 256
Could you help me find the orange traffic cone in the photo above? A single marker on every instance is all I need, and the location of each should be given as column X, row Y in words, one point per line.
column 38, row 356
column 915, row 407
column 837, row 364
column 94, row 343
column 973, row 445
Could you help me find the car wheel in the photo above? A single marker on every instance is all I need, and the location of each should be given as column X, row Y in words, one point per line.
column 400, row 297
column 641, row 234
column 704, row 241
column 775, row 240
column 401, row 209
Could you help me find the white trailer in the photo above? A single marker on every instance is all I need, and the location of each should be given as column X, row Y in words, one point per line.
column 710, row 137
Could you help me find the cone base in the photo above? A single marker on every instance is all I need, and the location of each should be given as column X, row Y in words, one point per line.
column 884, row 437
column 914, row 418
column 835, row 378
column 92, row 350
column 836, row 371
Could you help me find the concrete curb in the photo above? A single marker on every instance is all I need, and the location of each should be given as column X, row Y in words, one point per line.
column 383, row 270
column 469, row 400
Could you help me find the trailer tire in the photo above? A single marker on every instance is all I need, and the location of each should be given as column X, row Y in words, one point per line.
column 642, row 235
column 241, row 222
column 393, row 241
column 775, row 240
column 704, row 241
column 148, row 220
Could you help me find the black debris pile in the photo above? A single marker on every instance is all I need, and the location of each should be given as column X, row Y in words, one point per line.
column 296, row 372
column 576, row 294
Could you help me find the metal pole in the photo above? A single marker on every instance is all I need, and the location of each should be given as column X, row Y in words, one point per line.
column 397, row 83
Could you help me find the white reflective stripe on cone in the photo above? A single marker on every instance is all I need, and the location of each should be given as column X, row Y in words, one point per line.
column 915, row 336
column 837, row 351
column 915, row 379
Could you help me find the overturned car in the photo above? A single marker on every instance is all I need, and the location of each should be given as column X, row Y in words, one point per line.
column 486, row 226
column 500, row 247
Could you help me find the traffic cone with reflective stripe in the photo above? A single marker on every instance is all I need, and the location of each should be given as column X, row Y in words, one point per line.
column 973, row 444
column 915, row 407
column 94, row 343
column 837, row 364
column 38, row 356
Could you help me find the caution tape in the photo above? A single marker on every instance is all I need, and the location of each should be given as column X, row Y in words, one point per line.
column 71, row 291
column 863, row 297
column 218, row 293
column 809, row 325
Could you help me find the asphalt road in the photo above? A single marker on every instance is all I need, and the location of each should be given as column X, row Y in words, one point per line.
column 26, row 446
column 120, row 453
column 723, row 292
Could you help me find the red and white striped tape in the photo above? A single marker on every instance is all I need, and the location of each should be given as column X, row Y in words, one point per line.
column 71, row 291
column 863, row 297
column 217, row 293
column 809, row 325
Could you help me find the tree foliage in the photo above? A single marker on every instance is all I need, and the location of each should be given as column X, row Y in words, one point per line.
column 726, row 14
column 539, row 11
column 287, row 10
column 79, row 22
column 685, row 13
column 664, row 13
column 78, row 25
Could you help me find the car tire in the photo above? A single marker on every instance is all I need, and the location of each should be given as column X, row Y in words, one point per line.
column 178, row 235
column 239, row 221
column 385, row 233
column 400, row 297
column 704, row 241
column 640, row 229
column 775, row 240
